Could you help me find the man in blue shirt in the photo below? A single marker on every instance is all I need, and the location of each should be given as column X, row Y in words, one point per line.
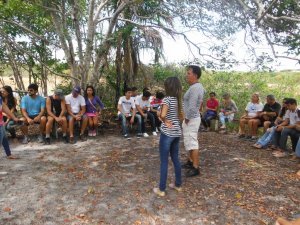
column 33, row 110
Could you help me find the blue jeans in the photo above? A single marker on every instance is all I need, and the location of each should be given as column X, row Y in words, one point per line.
column 207, row 117
column 169, row 145
column 124, row 119
column 266, row 138
column 298, row 148
column 4, row 141
column 151, row 118
column 9, row 127
column 280, row 138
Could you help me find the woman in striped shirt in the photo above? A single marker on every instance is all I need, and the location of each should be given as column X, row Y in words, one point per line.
column 170, row 134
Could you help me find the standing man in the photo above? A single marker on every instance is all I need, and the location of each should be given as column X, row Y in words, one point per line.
column 192, row 101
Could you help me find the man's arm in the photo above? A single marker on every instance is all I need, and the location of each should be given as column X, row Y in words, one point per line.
column 69, row 110
column 139, row 109
column 63, row 108
column 193, row 101
column 82, row 110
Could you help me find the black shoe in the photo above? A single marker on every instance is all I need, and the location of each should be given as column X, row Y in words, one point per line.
column 82, row 137
column 47, row 141
column 65, row 139
column 192, row 172
column 187, row 165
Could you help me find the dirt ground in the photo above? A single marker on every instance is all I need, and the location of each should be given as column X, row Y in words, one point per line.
column 109, row 180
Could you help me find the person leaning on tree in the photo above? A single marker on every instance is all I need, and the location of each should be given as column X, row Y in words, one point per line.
column 192, row 100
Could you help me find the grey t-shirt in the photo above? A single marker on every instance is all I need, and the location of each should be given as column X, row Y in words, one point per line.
column 192, row 100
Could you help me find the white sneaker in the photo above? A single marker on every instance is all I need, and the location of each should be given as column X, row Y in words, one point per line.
column 154, row 133
column 156, row 130
column 223, row 127
column 145, row 135
column 40, row 139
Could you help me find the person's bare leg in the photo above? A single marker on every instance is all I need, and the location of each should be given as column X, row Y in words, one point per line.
column 84, row 125
column 242, row 126
column 49, row 125
column 255, row 125
column 71, row 127
column 266, row 125
column 43, row 124
column 195, row 157
column 64, row 126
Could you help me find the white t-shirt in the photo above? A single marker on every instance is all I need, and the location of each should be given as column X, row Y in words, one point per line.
column 292, row 116
column 139, row 101
column 126, row 104
column 75, row 103
column 253, row 108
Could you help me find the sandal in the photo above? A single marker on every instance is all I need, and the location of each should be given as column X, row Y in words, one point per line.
column 280, row 155
column 258, row 146
column 12, row 157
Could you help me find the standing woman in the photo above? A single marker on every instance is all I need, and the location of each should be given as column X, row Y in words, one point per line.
column 11, row 102
column 171, row 114
column 92, row 111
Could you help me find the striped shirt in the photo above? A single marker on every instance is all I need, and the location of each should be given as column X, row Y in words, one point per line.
column 172, row 115
column 192, row 101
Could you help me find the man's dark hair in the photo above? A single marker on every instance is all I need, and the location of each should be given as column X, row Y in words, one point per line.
column 134, row 88
column 291, row 101
column 146, row 94
column 160, row 95
column 196, row 70
column 212, row 93
column 146, row 89
column 128, row 89
column 33, row 86
column 271, row 97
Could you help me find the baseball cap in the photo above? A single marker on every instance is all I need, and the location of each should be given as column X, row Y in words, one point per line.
column 59, row 93
column 77, row 89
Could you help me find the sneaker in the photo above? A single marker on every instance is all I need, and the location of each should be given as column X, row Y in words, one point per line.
column 94, row 133
column 187, row 165
column 280, row 155
column 25, row 140
column 173, row 186
column 47, row 141
column 127, row 136
column 159, row 192
column 139, row 135
column 145, row 135
column 72, row 141
column 223, row 127
column 193, row 172
column 241, row 136
column 156, row 130
column 65, row 139
column 12, row 157
column 40, row 139
column 82, row 137
column 154, row 133
column 90, row 133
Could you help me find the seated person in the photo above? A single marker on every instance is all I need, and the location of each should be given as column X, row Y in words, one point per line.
column 210, row 113
column 93, row 109
column 33, row 111
column 155, row 106
column 11, row 102
column 76, row 112
column 251, row 118
column 270, row 112
column 56, row 110
column 267, row 137
column 142, row 104
column 228, row 108
column 288, row 128
column 127, row 111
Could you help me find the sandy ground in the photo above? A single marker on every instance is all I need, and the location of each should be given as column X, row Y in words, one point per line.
column 109, row 180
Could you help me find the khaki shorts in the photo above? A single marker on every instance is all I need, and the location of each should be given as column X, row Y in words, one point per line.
column 190, row 134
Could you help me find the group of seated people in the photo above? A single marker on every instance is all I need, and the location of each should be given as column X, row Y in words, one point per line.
column 139, row 108
column 57, row 109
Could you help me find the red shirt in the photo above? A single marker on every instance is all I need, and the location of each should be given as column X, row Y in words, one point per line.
column 212, row 103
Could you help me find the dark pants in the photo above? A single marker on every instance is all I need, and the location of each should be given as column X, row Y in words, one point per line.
column 169, row 146
column 157, row 121
column 207, row 117
column 4, row 141
column 280, row 138
column 151, row 118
